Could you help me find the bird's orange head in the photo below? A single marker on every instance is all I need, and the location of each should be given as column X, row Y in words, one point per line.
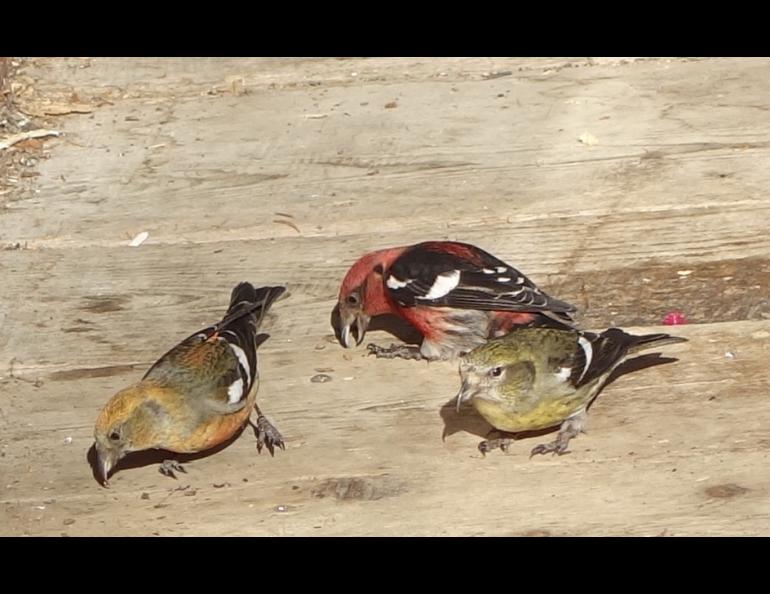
column 362, row 294
column 131, row 421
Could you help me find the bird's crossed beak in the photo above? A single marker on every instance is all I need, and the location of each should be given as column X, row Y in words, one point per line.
column 467, row 392
column 350, row 323
column 105, row 461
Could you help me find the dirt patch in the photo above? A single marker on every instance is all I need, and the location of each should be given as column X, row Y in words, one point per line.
column 726, row 491
column 358, row 487
column 534, row 533
column 5, row 85
column 707, row 292
column 90, row 372
column 17, row 162
column 104, row 304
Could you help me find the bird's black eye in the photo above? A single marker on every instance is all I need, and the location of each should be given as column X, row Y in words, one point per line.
column 114, row 436
column 496, row 371
column 352, row 299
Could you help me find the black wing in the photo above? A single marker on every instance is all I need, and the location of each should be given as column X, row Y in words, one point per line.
column 596, row 354
column 460, row 275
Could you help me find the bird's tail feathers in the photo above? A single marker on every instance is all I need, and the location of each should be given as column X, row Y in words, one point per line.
column 644, row 341
column 246, row 299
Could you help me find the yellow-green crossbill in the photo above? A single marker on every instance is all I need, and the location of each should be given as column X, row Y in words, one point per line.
column 536, row 378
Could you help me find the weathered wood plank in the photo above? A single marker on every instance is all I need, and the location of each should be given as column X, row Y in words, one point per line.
column 107, row 306
column 384, row 168
column 658, row 440
column 669, row 210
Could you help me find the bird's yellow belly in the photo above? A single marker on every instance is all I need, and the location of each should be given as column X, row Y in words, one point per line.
column 504, row 417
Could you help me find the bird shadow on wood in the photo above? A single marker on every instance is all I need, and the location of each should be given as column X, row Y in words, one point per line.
column 154, row 457
column 394, row 325
column 466, row 419
column 469, row 421
column 390, row 323
column 336, row 322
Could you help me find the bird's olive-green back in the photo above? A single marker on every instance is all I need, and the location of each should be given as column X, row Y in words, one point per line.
column 539, row 345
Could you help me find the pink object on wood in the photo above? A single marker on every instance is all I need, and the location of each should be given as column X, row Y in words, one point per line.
column 674, row 318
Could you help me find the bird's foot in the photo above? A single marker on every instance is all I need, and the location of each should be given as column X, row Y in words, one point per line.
column 570, row 429
column 553, row 447
column 268, row 436
column 168, row 467
column 395, row 351
column 492, row 444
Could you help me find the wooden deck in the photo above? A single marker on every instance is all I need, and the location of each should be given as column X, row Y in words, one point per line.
column 285, row 171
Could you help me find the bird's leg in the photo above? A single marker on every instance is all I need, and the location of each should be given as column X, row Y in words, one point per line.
column 168, row 467
column 395, row 351
column 570, row 428
column 267, row 435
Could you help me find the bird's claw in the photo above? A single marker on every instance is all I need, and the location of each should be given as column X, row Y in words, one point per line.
column 555, row 447
column 168, row 467
column 394, row 351
column 268, row 436
column 504, row 443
